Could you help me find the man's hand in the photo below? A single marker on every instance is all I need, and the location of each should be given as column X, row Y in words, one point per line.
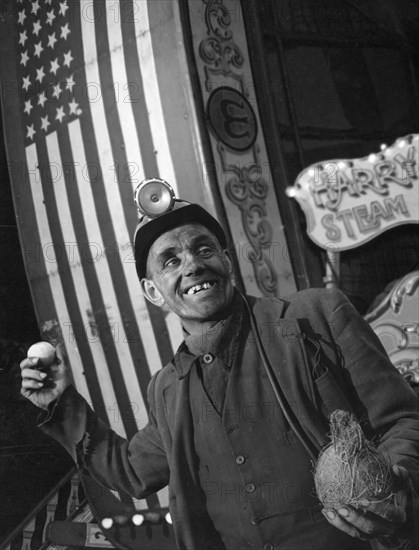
column 42, row 386
column 374, row 520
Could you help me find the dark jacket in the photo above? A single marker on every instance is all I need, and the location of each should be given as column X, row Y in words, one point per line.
column 324, row 355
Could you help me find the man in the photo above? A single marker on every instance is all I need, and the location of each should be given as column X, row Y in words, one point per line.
column 238, row 464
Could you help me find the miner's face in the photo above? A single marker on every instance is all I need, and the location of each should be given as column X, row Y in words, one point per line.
column 188, row 272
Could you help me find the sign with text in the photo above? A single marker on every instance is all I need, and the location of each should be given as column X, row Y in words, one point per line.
column 349, row 202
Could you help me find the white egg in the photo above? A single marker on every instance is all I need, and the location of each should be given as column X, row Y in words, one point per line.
column 44, row 351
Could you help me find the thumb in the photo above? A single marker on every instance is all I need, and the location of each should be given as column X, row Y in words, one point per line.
column 402, row 479
column 63, row 363
column 61, row 355
column 402, row 489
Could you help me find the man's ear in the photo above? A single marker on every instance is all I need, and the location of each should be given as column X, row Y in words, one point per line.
column 151, row 292
column 229, row 260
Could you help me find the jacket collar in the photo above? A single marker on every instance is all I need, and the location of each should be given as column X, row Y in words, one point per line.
column 222, row 340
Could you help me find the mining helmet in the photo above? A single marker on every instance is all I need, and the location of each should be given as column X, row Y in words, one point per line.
column 160, row 211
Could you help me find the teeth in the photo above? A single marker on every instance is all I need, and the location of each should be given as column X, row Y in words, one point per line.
column 197, row 288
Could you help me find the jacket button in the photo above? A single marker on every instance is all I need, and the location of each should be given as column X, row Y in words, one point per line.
column 250, row 487
column 240, row 459
column 208, row 358
column 268, row 546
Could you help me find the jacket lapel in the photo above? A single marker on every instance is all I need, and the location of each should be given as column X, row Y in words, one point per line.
column 283, row 342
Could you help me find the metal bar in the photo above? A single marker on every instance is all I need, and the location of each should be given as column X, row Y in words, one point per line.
column 288, row 92
column 41, row 504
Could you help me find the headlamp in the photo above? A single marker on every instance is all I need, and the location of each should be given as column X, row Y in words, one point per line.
column 154, row 197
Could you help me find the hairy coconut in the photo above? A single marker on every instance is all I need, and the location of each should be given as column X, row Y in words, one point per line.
column 350, row 469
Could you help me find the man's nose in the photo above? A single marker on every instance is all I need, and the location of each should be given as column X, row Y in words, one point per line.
column 192, row 264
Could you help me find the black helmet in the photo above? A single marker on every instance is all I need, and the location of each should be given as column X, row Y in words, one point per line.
column 161, row 211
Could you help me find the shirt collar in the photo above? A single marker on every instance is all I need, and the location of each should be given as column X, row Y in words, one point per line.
column 221, row 340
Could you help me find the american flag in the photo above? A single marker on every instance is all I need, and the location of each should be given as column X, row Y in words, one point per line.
column 87, row 118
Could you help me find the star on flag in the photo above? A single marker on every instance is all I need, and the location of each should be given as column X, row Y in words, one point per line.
column 70, row 83
column 57, row 91
column 37, row 27
column 51, row 40
column 31, row 131
column 26, row 83
column 74, row 107
column 63, row 7
column 50, row 17
column 24, row 58
column 38, row 49
column 45, row 122
column 23, row 38
column 40, row 74
column 35, row 7
column 65, row 31
column 42, row 99
column 68, row 58
column 54, row 66
column 60, row 114
column 28, row 106
column 21, row 17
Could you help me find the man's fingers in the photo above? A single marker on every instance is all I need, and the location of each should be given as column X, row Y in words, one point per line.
column 28, row 384
column 29, row 363
column 32, row 380
column 33, row 374
column 367, row 523
column 393, row 510
column 388, row 511
column 337, row 521
column 403, row 483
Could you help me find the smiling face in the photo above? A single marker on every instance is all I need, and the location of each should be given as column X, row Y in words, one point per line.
column 188, row 271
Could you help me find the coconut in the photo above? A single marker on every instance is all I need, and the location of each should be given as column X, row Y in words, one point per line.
column 350, row 469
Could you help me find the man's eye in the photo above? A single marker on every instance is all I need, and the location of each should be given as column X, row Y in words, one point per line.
column 205, row 251
column 171, row 262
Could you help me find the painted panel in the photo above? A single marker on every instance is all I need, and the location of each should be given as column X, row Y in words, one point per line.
column 240, row 160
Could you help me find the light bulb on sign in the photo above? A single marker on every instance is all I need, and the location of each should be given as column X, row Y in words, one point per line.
column 168, row 518
column 137, row 519
column 107, row 523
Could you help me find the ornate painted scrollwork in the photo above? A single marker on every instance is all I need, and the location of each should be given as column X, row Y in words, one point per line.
column 248, row 190
column 245, row 187
column 409, row 368
column 218, row 19
column 395, row 320
column 405, row 287
column 218, row 51
column 221, row 57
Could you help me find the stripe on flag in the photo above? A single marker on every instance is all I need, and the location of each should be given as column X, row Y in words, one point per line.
column 56, row 286
column 152, row 93
column 111, row 132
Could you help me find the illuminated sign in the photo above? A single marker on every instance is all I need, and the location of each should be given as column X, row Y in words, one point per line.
column 349, row 202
